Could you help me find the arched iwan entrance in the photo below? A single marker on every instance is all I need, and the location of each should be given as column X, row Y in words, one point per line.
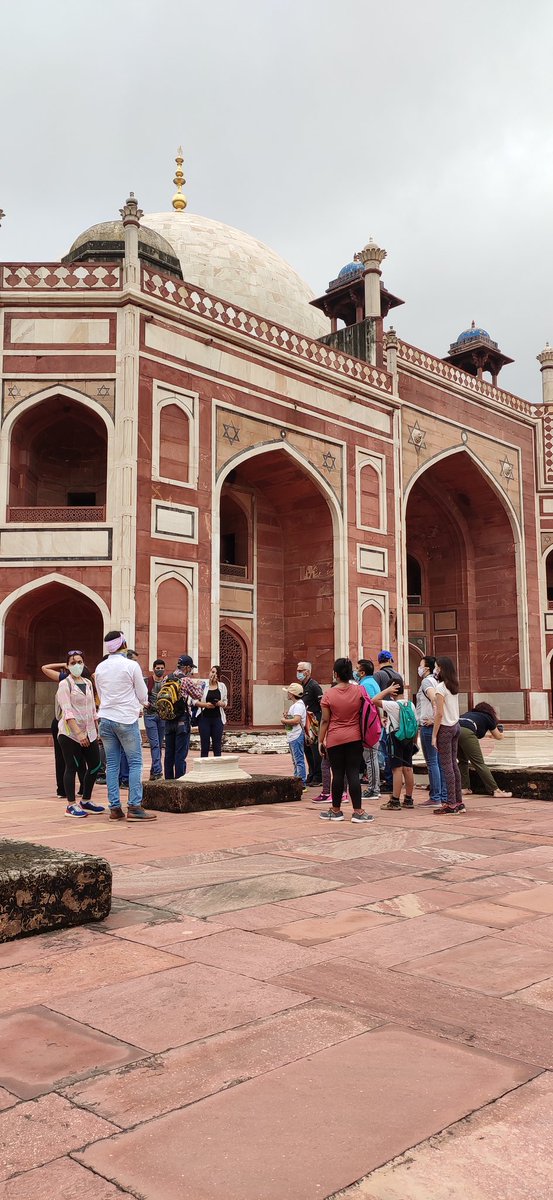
column 460, row 535
column 277, row 571
column 41, row 626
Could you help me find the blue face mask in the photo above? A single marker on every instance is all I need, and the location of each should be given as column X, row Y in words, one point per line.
column 356, row 676
column 301, row 676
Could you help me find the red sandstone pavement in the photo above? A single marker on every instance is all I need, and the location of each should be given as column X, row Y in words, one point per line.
column 279, row 1010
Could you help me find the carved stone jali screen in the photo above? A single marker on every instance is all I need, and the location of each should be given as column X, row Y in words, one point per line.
column 233, row 672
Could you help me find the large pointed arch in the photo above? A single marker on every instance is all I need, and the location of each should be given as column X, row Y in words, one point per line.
column 34, row 584
column 462, row 451
column 341, row 622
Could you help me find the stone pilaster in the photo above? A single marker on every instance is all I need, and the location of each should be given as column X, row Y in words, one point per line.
column 123, row 484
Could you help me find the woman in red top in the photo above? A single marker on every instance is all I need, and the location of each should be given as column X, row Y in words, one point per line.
column 340, row 739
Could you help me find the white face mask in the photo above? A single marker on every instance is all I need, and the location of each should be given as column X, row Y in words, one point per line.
column 76, row 669
column 421, row 671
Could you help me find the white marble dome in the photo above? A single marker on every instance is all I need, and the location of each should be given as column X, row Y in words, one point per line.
column 240, row 269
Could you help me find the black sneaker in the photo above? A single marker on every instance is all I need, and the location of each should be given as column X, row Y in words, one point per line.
column 408, row 802
column 154, row 777
column 391, row 804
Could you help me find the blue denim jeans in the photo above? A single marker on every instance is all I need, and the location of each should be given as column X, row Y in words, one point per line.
column 177, row 744
column 384, row 758
column 123, row 769
column 118, row 737
column 438, row 787
column 155, row 732
column 298, row 758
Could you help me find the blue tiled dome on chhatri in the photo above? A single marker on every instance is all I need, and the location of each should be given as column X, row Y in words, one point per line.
column 470, row 335
column 351, row 268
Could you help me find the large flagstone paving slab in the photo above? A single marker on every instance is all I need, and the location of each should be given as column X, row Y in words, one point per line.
column 177, row 1006
column 135, row 883
column 314, row 931
column 537, row 899
column 260, row 916
column 504, row 1151
column 494, row 967
column 539, row 994
column 537, row 932
column 404, row 940
column 491, row 1023
column 496, row 916
column 162, row 934
column 251, row 954
column 63, row 1179
column 241, row 893
column 189, row 1073
column 40, row 1049
column 204, row 1152
column 60, row 972
column 40, row 1130
column 417, row 904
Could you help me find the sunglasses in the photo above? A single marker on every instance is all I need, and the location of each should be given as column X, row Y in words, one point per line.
column 70, row 653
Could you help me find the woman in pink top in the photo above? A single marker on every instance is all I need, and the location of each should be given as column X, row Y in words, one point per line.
column 340, row 739
column 78, row 735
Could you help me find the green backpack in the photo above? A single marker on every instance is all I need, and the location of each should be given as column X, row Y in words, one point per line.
column 408, row 727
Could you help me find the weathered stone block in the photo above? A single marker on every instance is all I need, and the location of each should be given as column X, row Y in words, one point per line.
column 43, row 889
column 179, row 796
column 526, row 783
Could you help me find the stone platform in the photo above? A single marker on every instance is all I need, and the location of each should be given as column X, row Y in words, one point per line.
column 526, row 783
column 43, row 888
column 181, row 796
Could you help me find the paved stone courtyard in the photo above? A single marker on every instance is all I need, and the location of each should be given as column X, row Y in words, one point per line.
column 275, row 1009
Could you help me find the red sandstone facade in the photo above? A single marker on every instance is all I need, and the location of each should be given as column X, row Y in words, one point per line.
column 213, row 482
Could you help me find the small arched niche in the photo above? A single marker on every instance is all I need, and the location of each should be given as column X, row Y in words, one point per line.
column 235, row 553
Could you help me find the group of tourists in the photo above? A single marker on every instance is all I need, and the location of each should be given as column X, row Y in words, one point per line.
column 362, row 730
column 327, row 731
column 96, row 727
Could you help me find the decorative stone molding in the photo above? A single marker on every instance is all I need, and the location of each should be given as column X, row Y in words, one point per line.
column 425, row 363
column 196, row 301
column 45, row 276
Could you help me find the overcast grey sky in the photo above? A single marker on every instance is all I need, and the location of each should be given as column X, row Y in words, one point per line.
column 312, row 124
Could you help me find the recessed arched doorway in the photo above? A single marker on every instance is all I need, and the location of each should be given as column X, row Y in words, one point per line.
column 279, row 557
column 41, row 626
column 461, row 534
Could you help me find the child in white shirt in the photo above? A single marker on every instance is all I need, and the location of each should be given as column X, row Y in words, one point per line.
column 294, row 721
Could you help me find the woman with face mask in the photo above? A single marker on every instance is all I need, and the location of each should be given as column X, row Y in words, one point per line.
column 425, row 716
column 78, row 735
column 445, row 733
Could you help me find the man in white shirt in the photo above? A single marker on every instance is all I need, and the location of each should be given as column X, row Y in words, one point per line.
column 123, row 694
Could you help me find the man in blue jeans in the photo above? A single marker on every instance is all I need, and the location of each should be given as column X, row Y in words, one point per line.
column 153, row 723
column 177, row 732
column 123, row 694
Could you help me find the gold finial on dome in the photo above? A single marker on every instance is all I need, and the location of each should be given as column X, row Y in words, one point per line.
column 179, row 199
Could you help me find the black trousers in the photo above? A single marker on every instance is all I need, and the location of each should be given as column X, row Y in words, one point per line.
column 75, row 756
column 211, row 729
column 313, row 761
column 60, row 761
column 344, row 764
